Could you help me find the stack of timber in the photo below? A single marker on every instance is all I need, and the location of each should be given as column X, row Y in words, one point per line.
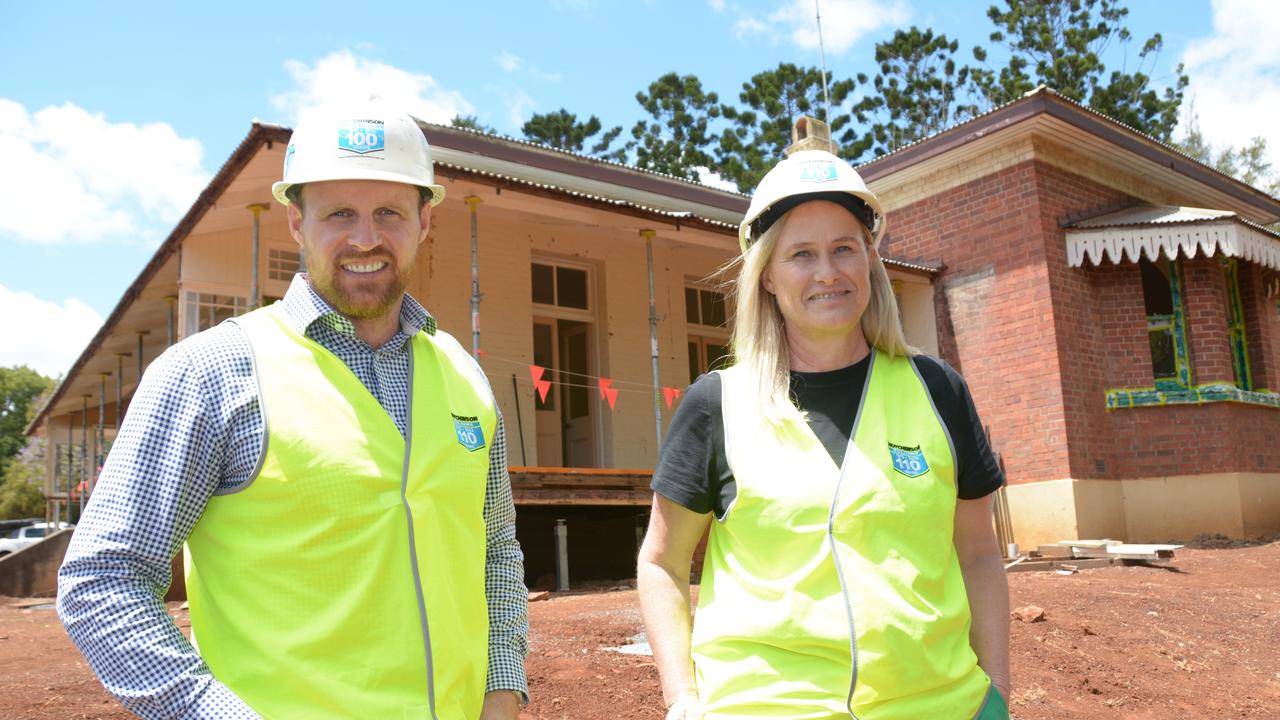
column 581, row 486
column 1072, row 555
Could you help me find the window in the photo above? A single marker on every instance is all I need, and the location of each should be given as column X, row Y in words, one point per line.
column 705, row 312
column 704, row 307
column 204, row 310
column 706, row 354
column 283, row 264
column 1236, row 326
column 565, row 287
column 1166, row 324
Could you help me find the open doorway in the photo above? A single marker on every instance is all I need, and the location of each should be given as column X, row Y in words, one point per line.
column 566, row 423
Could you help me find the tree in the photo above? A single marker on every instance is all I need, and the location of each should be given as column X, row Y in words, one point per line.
column 1059, row 43
column 1247, row 163
column 471, row 122
column 676, row 139
column 773, row 100
column 915, row 89
column 561, row 129
column 20, row 386
column 21, row 493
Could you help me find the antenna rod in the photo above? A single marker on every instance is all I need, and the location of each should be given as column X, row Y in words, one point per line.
column 822, row 53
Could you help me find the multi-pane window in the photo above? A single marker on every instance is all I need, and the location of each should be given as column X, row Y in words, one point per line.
column 204, row 310
column 565, row 287
column 1166, row 324
column 283, row 264
column 1236, row 334
column 704, row 307
column 706, row 354
column 704, row 310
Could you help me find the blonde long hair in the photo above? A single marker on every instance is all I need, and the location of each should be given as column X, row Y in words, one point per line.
column 759, row 339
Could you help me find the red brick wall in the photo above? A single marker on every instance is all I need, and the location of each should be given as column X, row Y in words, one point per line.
column 1040, row 343
column 1262, row 325
column 998, row 322
column 1205, row 300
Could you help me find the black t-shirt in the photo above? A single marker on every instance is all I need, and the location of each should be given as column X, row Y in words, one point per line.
column 694, row 472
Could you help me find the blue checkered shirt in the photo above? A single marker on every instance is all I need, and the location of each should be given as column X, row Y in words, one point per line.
column 195, row 428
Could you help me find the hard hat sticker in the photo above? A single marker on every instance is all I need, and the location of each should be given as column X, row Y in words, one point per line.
column 909, row 461
column 361, row 136
column 820, row 171
column 288, row 158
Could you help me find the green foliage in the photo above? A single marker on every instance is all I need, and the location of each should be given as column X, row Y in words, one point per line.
column 21, row 495
column 471, row 122
column 1059, row 43
column 561, row 129
column 774, row 99
column 1248, row 163
column 915, row 89
column 677, row 137
column 20, row 388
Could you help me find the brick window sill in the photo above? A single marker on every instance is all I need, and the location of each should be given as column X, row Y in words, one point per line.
column 1129, row 398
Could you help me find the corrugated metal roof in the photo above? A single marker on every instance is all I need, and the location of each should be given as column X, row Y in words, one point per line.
column 1153, row 215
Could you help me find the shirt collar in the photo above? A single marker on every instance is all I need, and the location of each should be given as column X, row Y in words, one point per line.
column 304, row 307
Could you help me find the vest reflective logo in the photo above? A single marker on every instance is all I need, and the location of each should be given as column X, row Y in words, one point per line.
column 362, row 136
column 470, row 434
column 909, row 461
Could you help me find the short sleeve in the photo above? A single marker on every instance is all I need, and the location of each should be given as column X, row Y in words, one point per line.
column 688, row 469
column 978, row 472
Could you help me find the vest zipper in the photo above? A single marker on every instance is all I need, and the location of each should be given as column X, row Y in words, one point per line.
column 831, row 539
column 413, row 548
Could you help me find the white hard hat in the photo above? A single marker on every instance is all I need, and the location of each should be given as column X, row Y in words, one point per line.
column 364, row 142
column 810, row 175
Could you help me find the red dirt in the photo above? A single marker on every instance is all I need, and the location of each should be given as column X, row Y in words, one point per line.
column 1196, row 640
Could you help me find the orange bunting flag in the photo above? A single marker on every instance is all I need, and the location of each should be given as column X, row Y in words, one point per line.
column 608, row 391
column 481, row 353
column 542, row 386
column 669, row 394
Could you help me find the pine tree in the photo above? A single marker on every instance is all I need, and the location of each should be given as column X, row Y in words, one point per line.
column 561, row 129
column 676, row 138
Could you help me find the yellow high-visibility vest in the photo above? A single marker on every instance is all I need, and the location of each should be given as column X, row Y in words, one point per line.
column 834, row 592
column 347, row 579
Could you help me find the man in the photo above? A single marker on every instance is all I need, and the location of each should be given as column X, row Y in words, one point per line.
column 337, row 469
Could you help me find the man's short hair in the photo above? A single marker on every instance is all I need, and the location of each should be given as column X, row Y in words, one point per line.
column 294, row 193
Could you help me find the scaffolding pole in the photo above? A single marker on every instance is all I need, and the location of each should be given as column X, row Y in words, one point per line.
column 255, row 295
column 472, row 201
column 653, row 340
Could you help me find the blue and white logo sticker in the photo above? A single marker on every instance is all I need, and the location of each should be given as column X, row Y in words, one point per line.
column 470, row 435
column 818, row 171
column 362, row 136
column 288, row 158
column 909, row 461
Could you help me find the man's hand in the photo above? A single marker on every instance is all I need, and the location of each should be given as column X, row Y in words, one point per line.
column 500, row 705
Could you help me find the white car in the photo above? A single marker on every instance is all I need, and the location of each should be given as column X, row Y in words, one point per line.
column 29, row 535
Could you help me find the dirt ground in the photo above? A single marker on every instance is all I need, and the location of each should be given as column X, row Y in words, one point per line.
column 1199, row 639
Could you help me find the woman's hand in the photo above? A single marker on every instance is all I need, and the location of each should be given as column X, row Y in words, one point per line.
column 686, row 707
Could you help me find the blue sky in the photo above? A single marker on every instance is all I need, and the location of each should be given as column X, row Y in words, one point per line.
column 113, row 116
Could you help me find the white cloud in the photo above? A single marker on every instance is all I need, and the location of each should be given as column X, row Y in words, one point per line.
column 342, row 77
column 72, row 176
column 747, row 26
column 714, row 179
column 26, row 322
column 716, row 5
column 1235, row 74
column 508, row 61
column 844, row 22
column 519, row 104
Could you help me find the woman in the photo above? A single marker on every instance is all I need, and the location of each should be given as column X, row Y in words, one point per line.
column 852, row 569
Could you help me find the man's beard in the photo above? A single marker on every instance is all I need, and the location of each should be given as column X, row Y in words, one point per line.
column 361, row 304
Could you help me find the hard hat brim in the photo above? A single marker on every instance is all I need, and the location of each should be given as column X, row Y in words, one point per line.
column 280, row 189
